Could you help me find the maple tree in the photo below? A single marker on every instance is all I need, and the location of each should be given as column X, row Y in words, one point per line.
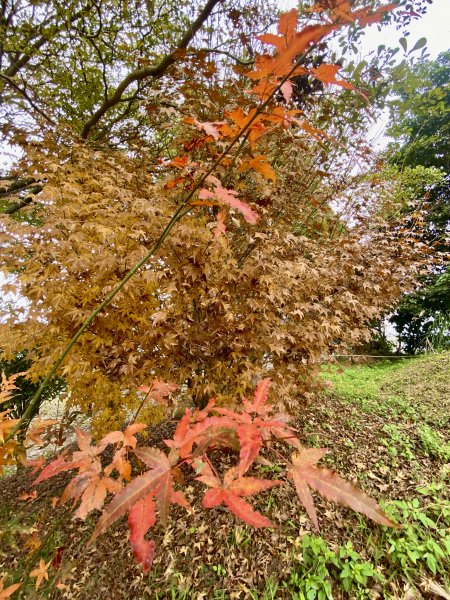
column 221, row 300
column 183, row 249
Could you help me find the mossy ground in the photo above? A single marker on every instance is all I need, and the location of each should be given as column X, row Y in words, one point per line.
column 387, row 426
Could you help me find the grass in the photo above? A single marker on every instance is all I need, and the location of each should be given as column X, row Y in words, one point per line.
column 388, row 427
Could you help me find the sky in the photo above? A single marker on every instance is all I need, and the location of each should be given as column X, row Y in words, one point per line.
column 435, row 26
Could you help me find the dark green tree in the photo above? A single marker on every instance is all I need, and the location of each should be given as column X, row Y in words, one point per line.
column 420, row 114
column 25, row 387
column 420, row 117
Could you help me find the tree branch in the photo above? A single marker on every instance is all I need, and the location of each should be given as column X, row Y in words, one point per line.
column 244, row 63
column 15, row 67
column 24, row 202
column 18, row 183
column 155, row 71
column 24, row 93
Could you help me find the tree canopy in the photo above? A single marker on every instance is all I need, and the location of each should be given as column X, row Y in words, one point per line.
column 183, row 218
column 420, row 115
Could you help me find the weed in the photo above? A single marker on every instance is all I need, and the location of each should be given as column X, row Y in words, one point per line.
column 423, row 544
column 240, row 537
column 219, row 570
column 320, row 566
column 433, row 443
column 269, row 592
column 398, row 443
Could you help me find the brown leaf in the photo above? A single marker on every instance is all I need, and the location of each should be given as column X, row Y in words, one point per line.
column 332, row 487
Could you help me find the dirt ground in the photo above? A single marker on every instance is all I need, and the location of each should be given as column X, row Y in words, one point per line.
column 388, row 429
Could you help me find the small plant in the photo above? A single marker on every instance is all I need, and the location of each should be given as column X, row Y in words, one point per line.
column 355, row 573
column 398, row 443
column 433, row 443
column 320, row 566
column 219, row 570
column 424, row 542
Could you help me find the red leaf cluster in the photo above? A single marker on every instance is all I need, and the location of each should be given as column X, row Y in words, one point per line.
column 246, row 430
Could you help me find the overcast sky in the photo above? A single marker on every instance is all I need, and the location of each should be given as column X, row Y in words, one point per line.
column 435, row 26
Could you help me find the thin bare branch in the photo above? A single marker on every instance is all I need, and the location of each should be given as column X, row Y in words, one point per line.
column 25, row 94
column 155, row 71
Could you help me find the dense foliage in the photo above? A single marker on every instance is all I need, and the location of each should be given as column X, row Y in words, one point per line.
column 183, row 219
column 420, row 113
column 222, row 301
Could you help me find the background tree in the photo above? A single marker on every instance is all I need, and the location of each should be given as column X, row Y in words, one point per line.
column 25, row 389
column 420, row 114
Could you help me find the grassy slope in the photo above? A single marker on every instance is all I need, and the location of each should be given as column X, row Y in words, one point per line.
column 388, row 429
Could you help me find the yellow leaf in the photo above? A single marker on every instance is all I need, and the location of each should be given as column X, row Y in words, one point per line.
column 41, row 572
column 261, row 166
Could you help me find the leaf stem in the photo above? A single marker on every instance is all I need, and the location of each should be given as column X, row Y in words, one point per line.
column 179, row 214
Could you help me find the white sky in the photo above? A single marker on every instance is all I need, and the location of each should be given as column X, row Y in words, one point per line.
column 435, row 26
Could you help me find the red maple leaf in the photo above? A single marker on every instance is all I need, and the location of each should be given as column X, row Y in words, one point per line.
column 254, row 426
column 141, row 517
column 206, row 433
column 231, row 492
column 306, row 474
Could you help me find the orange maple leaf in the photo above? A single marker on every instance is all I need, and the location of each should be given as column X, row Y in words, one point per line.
column 34, row 433
column 7, row 592
column 327, row 74
column 127, row 437
column 159, row 390
column 220, row 225
column 40, row 572
column 92, row 488
column 209, row 128
column 6, row 424
column 260, row 165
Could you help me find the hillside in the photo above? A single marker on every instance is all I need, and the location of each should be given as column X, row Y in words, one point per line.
column 387, row 426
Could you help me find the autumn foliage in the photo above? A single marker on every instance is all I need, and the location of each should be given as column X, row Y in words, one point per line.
column 261, row 272
column 247, row 430
column 222, row 247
